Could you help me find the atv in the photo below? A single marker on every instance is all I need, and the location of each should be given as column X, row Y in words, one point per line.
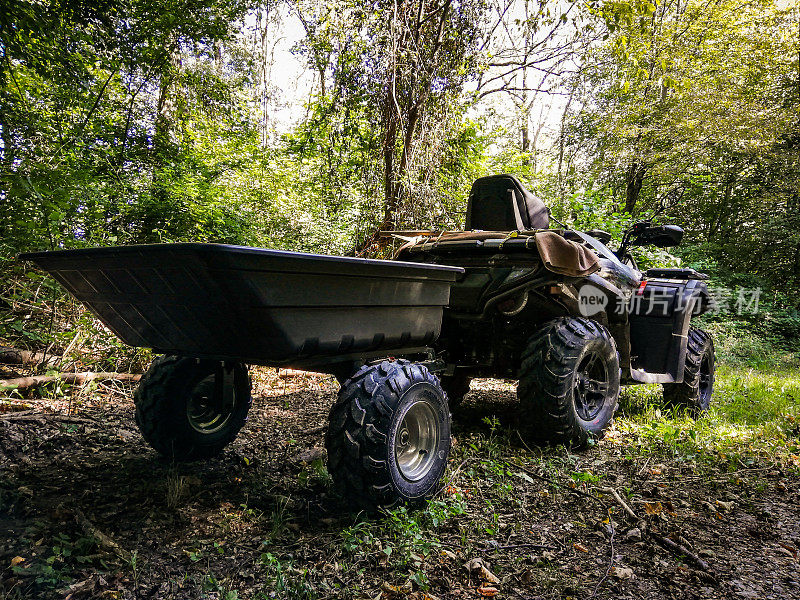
column 509, row 297
column 566, row 316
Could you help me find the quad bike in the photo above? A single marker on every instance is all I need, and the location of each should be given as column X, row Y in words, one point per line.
column 555, row 309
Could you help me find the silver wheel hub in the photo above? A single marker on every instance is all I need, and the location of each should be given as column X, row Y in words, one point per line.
column 417, row 441
column 205, row 411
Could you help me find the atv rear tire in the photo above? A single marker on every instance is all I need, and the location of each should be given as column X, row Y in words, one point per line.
column 389, row 436
column 694, row 394
column 189, row 409
column 569, row 381
column 456, row 386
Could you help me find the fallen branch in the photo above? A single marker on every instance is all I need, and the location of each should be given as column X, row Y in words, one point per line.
column 103, row 540
column 680, row 549
column 43, row 416
column 292, row 373
column 667, row 543
column 19, row 414
column 16, row 356
column 620, row 501
column 26, row 383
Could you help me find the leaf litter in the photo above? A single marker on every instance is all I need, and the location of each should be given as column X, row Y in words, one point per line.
column 87, row 510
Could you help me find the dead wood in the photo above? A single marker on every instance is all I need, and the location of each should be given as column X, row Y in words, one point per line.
column 620, row 501
column 19, row 414
column 680, row 549
column 26, row 383
column 41, row 417
column 103, row 540
column 667, row 543
column 291, row 373
column 16, row 356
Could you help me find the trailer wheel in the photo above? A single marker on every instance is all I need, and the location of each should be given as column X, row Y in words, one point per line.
column 389, row 436
column 569, row 381
column 189, row 409
column 456, row 386
column 694, row 394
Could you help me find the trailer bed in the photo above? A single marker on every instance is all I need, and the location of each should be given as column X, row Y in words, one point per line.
column 254, row 305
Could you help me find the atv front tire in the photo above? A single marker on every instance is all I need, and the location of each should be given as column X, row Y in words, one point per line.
column 189, row 409
column 569, row 381
column 389, row 436
column 694, row 394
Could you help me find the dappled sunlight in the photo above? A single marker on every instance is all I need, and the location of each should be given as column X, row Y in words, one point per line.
column 754, row 414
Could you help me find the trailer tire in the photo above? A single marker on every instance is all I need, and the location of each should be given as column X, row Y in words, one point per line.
column 175, row 408
column 456, row 386
column 694, row 393
column 389, row 436
column 569, row 382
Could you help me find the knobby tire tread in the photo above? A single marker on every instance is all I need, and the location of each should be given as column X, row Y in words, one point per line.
column 546, row 376
column 157, row 411
column 686, row 395
column 358, row 430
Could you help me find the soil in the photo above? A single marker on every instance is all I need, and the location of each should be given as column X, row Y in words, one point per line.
column 88, row 510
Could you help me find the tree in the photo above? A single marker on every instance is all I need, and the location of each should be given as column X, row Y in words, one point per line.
column 94, row 98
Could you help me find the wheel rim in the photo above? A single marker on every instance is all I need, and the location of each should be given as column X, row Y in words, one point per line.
column 706, row 380
column 591, row 386
column 205, row 409
column 417, row 440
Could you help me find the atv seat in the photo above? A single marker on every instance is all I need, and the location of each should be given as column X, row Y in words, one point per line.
column 502, row 203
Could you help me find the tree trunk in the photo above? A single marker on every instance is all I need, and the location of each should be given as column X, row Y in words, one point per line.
column 390, row 135
column 634, row 179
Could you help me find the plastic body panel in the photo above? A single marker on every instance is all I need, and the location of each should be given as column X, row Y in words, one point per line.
column 659, row 326
column 254, row 305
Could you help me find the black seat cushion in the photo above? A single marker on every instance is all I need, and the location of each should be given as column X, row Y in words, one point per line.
column 502, row 203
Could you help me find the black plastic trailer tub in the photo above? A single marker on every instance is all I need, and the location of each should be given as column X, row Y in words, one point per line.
column 254, row 305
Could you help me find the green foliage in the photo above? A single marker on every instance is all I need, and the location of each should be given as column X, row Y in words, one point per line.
column 681, row 117
column 754, row 414
column 59, row 562
column 286, row 581
column 133, row 121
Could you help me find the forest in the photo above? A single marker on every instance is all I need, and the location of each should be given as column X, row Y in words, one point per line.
column 324, row 127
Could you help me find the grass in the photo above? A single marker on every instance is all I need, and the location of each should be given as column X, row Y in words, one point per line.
column 755, row 414
column 753, row 424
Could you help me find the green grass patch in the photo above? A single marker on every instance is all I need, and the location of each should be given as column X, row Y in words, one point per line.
column 755, row 414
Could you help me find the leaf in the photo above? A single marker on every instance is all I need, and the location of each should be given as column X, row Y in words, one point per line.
column 478, row 565
column 622, row 573
column 393, row 591
column 653, row 508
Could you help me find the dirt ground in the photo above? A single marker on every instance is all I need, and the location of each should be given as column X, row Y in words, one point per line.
column 88, row 510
